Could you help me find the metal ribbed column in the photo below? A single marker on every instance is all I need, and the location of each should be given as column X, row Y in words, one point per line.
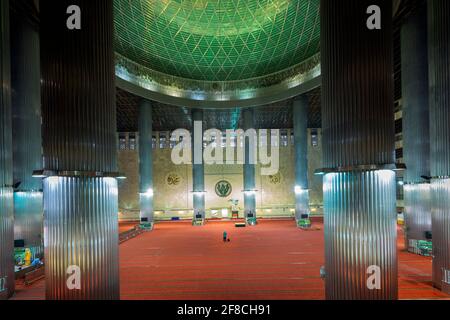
column 81, row 231
column 6, row 169
column 440, row 190
column 417, row 199
column 416, row 138
column 300, row 112
column 358, row 143
column 360, row 233
column 145, row 161
column 198, row 169
column 26, row 102
column 79, row 138
column 439, row 73
column 249, row 168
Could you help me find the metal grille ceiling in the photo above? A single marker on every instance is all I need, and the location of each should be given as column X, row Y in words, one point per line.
column 168, row 118
column 217, row 40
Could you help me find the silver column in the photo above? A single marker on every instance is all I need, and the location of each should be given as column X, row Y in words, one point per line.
column 81, row 232
column 26, row 108
column 300, row 112
column 146, row 161
column 416, row 135
column 358, row 143
column 249, row 168
column 439, row 73
column 198, row 166
column 79, row 139
column 6, row 170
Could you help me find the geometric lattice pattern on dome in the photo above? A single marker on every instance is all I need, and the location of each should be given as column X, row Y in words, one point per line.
column 217, row 40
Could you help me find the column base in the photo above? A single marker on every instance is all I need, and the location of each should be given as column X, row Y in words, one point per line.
column 250, row 208
column 147, row 226
column 28, row 219
column 198, row 222
column 7, row 279
column 418, row 218
column 251, row 221
column 81, row 238
column 146, row 213
column 304, row 223
column 360, row 235
column 440, row 206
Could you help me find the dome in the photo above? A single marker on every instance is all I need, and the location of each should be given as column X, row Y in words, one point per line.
column 217, row 40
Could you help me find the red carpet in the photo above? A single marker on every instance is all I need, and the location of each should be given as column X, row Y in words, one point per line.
column 271, row 261
column 126, row 226
column 415, row 274
column 274, row 260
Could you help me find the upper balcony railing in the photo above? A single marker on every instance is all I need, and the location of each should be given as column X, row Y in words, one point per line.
column 201, row 90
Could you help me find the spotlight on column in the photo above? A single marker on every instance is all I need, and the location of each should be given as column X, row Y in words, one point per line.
column 52, row 181
column 149, row 193
column 300, row 190
column 249, row 192
column 199, row 210
column 146, row 202
column 302, row 207
column 385, row 175
column 39, row 174
column 250, row 216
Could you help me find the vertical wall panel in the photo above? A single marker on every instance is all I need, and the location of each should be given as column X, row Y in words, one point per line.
column 6, row 195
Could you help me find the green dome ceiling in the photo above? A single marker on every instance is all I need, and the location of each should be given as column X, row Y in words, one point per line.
column 217, row 40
